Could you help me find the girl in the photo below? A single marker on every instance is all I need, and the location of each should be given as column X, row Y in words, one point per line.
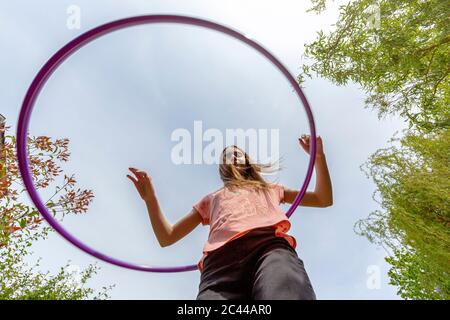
column 248, row 254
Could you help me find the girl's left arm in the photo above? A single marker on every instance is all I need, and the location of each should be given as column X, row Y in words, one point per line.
column 322, row 196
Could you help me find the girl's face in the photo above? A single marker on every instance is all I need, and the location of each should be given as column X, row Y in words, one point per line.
column 234, row 155
column 238, row 170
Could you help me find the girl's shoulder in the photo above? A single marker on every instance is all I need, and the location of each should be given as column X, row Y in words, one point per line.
column 216, row 192
column 275, row 185
column 277, row 189
column 212, row 194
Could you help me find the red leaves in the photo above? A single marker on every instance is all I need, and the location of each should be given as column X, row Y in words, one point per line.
column 70, row 180
column 5, row 183
column 43, row 143
column 43, row 155
column 77, row 201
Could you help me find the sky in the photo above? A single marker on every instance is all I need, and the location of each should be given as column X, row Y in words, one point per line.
column 120, row 98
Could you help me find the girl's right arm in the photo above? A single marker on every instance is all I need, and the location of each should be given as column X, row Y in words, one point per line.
column 166, row 233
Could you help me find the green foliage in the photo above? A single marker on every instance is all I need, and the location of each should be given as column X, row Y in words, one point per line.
column 21, row 226
column 20, row 281
column 411, row 273
column 413, row 183
column 399, row 53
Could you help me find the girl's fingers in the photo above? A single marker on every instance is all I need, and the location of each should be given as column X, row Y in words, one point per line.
column 301, row 142
column 136, row 172
column 303, row 145
column 134, row 181
column 141, row 175
column 304, row 141
column 131, row 178
column 133, row 170
column 307, row 137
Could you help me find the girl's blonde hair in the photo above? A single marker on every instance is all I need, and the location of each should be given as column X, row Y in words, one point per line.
column 237, row 175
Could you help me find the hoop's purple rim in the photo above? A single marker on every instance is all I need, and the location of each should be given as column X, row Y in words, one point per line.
column 62, row 54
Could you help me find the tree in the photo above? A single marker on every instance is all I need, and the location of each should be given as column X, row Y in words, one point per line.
column 413, row 184
column 21, row 224
column 398, row 52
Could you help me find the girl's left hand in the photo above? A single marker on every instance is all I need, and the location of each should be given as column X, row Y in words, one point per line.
column 305, row 144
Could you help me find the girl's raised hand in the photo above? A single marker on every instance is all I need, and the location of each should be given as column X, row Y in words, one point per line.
column 305, row 144
column 143, row 183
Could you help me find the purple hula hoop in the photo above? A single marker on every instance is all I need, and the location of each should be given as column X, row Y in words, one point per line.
column 50, row 66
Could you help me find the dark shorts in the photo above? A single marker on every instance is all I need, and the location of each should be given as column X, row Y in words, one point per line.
column 256, row 266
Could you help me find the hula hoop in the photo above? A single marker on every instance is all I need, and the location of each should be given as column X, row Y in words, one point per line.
column 61, row 55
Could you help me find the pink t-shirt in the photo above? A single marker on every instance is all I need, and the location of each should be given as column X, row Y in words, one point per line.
column 232, row 214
